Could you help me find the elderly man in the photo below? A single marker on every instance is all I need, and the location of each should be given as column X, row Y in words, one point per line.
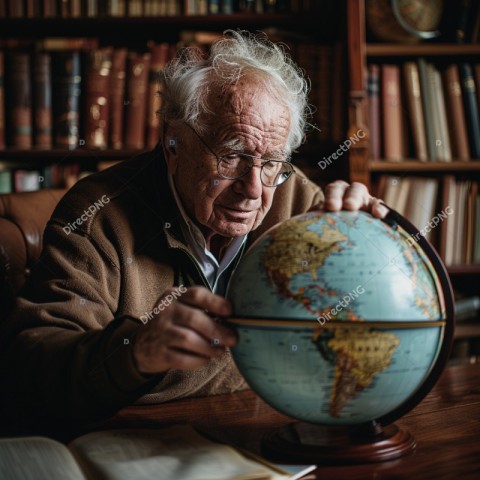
column 122, row 306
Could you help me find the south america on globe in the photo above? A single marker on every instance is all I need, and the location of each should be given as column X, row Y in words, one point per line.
column 340, row 317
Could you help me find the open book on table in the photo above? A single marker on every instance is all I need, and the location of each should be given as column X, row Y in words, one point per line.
column 174, row 453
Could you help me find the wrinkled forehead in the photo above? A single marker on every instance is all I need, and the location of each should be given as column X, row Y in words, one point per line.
column 249, row 101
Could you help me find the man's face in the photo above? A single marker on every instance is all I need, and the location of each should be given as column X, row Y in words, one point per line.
column 249, row 119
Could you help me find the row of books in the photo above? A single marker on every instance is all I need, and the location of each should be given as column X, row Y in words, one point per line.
column 108, row 97
column 424, row 110
column 446, row 211
column 68, row 98
column 146, row 8
column 26, row 178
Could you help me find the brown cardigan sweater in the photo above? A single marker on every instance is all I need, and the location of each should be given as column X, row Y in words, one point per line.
column 66, row 352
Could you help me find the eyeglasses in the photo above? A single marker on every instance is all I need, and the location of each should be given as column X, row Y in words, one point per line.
column 235, row 165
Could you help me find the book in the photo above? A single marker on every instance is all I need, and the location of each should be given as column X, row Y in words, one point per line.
column 476, row 242
column 421, row 203
column 447, row 228
column 172, row 453
column 138, row 66
column 392, row 113
column 438, row 137
column 470, row 222
column 427, row 108
column 18, row 100
column 117, row 94
column 66, row 84
column 5, row 181
column 42, row 100
column 471, row 108
column 338, row 89
column 373, row 91
column 461, row 196
column 97, row 97
column 444, row 138
column 415, row 109
column 323, row 71
column 26, row 180
column 2, row 100
column 159, row 57
column 15, row 9
column 456, row 113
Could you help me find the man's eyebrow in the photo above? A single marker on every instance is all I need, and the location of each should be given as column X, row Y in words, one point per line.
column 238, row 145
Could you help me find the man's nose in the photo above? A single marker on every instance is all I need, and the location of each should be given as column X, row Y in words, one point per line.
column 250, row 185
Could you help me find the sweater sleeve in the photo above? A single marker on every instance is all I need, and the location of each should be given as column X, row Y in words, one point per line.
column 64, row 356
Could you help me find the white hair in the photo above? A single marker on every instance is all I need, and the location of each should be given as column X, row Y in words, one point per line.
column 186, row 80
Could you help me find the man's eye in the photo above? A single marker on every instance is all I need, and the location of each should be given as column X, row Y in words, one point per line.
column 271, row 166
column 231, row 159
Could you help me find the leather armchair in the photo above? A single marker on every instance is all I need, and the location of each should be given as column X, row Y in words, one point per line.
column 23, row 217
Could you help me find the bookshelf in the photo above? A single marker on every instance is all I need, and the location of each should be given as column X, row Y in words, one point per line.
column 365, row 168
column 292, row 24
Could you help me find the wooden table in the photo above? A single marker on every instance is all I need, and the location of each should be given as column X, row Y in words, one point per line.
column 446, row 426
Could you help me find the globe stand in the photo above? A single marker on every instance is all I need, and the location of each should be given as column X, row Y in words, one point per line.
column 308, row 443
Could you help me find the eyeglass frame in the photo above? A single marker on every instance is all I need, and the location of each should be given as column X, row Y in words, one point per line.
column 252, row 157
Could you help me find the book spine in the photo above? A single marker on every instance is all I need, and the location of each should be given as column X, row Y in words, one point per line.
column 2, row 100
column 97, row 101
column 19, row 107
column 213, row 6
column 392, row 114
column 159, row 58
column 471, row 108
column 15, row 9
column 32, row 9
column 92, row 8
column 66, row 83
column 117, row 95
column 227, row 7
column 338, row 88
column 373, row 87
column 458, row 127
column 435, row 114
column 415, row 109
column 135, row 115
column 427, row 107
column 323, row 70
column 444, row 138
column 49, row 8
column 42, row 96
column 76, row 8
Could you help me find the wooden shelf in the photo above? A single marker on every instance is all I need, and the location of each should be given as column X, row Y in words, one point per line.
column 472, row 269
column 24, row 156
column 464, row 330
column 421, row 49
column 416, row 166
column 160, row 26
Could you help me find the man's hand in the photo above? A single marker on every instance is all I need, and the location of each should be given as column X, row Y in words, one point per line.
column 340, row 195
column 183, row 335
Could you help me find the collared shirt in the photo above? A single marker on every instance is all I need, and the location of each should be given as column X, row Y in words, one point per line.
column 214, row 271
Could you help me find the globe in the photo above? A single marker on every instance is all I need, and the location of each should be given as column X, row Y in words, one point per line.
column 342, row 318
column 404, row 20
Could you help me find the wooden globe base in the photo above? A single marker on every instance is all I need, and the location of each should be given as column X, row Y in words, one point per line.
column 308, row 443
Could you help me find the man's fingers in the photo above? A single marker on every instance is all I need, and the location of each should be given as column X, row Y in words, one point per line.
column 376, row 208
column 201, row 297
column 194, row 343
column 334, row 193
column 356, row 197
column 207, row 327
